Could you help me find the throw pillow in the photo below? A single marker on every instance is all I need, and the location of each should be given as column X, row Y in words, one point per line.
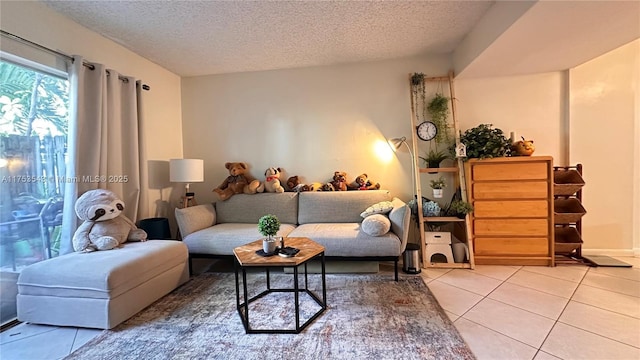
column 376, row 225
column 382, row 207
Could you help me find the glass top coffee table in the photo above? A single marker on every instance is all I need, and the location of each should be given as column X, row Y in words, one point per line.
column 246, row 257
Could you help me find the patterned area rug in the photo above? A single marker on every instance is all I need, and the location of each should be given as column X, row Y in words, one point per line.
column 368, row 317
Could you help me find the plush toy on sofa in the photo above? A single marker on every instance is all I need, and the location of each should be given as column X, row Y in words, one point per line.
column 339, row 181
column 237, row 182
column 327, row 187
column 362, row 182
column 272, row 180
column 293, row 184
column 105, row 227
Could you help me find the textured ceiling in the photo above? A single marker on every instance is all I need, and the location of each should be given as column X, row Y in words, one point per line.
column 193, row 38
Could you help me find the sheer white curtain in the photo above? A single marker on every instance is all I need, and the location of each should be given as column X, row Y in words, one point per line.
column 103, row 140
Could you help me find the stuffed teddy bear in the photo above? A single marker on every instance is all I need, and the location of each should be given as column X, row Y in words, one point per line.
column 293, row 183
column 237, row 182
column 327, row 187
column 272, row 181
column 315, row 186
column 105, row 227
column 362, row 182
column 339, row 181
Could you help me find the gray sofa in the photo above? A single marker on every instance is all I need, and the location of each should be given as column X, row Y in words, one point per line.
column 331, row 219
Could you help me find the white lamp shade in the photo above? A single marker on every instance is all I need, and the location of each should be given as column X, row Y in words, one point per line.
column 396, row 143
column 186, row 170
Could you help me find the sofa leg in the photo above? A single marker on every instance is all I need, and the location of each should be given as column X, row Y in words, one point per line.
column 396, row 268
column 190, row 266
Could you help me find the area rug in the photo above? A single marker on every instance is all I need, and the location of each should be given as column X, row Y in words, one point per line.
column 367, row 317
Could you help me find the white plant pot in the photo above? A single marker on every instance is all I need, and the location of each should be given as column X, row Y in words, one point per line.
column 437, row 193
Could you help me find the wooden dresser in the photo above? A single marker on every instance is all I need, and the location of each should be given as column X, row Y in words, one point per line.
column 512, row 221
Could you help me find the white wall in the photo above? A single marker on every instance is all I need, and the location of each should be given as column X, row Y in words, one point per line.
column 309, row 121
column 605, row 133
column 530, row 105
column 161, row 105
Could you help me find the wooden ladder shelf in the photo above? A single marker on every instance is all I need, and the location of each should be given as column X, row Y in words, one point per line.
column 463, row 225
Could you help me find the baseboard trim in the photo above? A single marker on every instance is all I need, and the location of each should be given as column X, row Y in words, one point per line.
column 612, row 252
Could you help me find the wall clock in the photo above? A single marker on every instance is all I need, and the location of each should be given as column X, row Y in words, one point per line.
column 427, row 130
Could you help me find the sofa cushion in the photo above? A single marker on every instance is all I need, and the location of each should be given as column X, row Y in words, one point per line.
column 347, row 240
column 337, row 206
column 248, row 209
column 195, row 218
column 376, row 225
column 223, row 238
column 382, row 207
column 400, row 217
column 101, row 274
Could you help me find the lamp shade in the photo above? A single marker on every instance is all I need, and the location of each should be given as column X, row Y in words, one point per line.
column 395, row 143
column 186, row 170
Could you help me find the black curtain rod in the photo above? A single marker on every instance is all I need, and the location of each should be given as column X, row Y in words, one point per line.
column 60, row 54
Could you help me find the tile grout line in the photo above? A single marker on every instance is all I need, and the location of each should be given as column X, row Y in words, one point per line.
column 556, row 320
column 613, row 291
column 485, row 297
column 75, row 337
column 560, row 315
column 30, row 336
column 538, row 349
column 598, row 307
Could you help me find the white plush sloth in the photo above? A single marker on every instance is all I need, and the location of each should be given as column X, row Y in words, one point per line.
column 105, row 227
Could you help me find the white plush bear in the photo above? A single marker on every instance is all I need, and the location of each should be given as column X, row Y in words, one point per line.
column 104, row 226
column 272, row 181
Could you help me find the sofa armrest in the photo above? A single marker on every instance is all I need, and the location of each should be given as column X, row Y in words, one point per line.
column 399, row 217
column 195, row 218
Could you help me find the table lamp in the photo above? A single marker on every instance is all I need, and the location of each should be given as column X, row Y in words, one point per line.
column 186, row 171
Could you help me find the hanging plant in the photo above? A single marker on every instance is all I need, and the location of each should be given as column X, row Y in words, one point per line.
column 438, row 109
column 417, row 79
column 419, row 93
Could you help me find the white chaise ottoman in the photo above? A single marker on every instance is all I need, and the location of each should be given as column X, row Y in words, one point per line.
column 103, row 288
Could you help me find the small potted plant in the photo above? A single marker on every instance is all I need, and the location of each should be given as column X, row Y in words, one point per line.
column 268, row 226
column 437, row 186
column 434, row 158
column 459, row 208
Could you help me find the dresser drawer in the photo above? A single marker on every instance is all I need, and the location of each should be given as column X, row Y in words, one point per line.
column 510, row 171
column 524, row 246
column 511, row 209
column 517, row 227
column 511, row 190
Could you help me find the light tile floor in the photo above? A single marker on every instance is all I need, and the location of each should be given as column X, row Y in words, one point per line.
column 503, row 312
column 569, row 311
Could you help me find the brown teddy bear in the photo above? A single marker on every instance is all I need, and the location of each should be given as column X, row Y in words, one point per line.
column 237, row 182
column 293, row 184
column 339, row 181
column 362, row 182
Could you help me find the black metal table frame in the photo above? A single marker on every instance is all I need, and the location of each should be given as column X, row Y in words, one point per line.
column 296, row 290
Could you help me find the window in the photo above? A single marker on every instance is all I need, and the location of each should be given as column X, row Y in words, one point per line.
column 33, row 139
